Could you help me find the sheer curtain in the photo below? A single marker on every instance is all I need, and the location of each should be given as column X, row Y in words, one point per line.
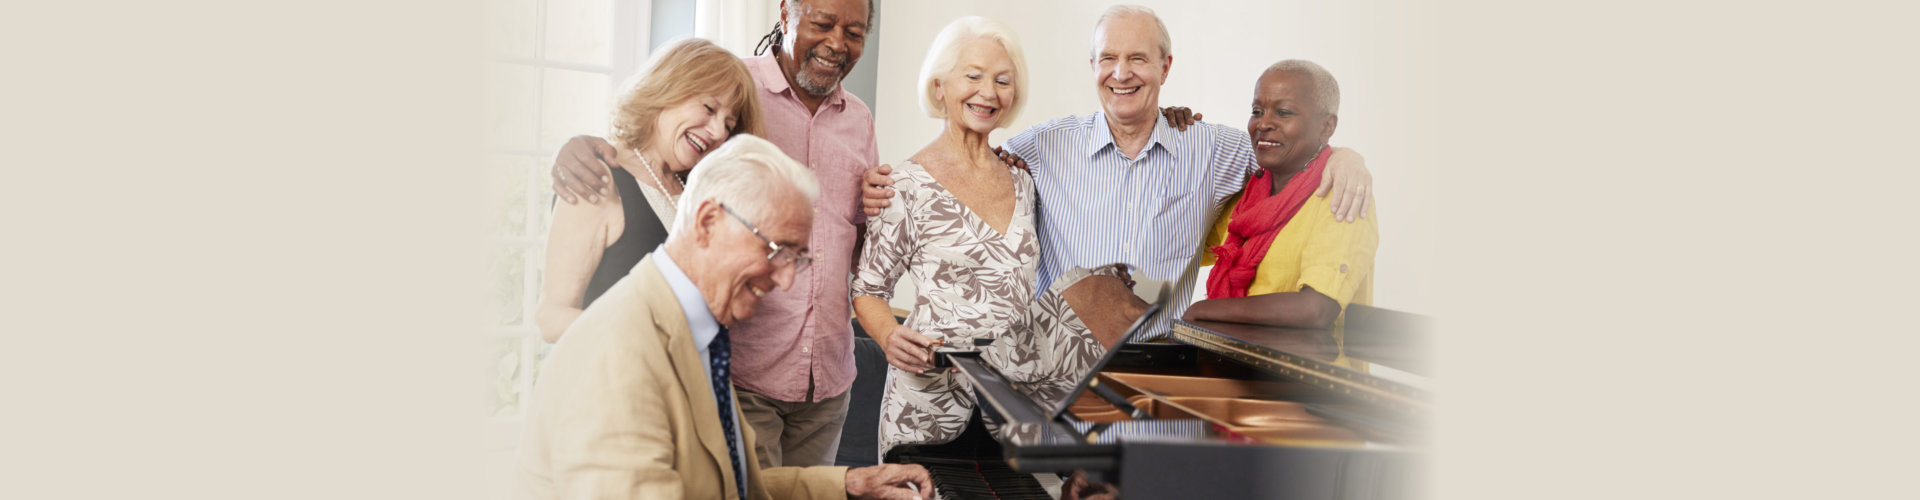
column 735, row 24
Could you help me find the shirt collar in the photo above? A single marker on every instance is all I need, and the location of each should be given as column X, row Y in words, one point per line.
column 700, row 320
column 773, row 80
column 1102, row 136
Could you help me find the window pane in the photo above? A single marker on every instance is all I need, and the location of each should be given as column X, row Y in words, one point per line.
column 511, row 175
column 538, row 264
column 572, row 103
column 542, row 198
column 509, row 268
column 506, row 380
column 540, row 350
column 513, row 91
column 510, row 26
column 580, row 31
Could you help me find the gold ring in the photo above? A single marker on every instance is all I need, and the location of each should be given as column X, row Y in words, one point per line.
column 1359, row 188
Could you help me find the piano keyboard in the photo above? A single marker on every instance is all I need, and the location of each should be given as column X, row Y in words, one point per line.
column 962, row 479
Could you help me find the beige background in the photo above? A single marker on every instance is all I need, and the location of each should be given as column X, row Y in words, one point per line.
column 1677, row 251
column 1673, row 246
column 242, row 250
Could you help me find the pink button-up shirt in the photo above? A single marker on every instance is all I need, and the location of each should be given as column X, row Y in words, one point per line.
column 805, row 331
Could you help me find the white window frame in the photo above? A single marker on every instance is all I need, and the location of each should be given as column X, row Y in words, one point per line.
column 632, row 26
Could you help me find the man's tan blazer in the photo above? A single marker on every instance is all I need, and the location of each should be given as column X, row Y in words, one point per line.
column 624, row 409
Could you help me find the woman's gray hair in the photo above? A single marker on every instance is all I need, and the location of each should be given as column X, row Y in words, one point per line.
column 945, row 53
column 742, row 175
column 1166, row 39
column 1326, row 90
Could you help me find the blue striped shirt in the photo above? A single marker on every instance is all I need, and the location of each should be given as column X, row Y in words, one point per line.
column 1097, row 206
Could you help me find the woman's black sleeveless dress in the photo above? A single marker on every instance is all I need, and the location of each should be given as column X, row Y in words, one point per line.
column 643, row 234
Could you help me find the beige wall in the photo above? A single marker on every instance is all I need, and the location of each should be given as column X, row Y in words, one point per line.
column 1219, row 48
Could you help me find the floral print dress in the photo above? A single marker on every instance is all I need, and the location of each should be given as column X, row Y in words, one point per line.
column 973, row 282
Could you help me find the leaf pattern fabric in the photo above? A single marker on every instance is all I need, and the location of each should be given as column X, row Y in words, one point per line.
column 972, row 281
column 1068, row 349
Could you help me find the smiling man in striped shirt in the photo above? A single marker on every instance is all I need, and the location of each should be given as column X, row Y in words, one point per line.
column 1122, row 185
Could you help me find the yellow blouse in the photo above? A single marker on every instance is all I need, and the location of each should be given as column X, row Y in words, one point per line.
column 1314, row 249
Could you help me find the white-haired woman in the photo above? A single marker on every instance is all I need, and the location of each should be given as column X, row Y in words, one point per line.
column 963, row 228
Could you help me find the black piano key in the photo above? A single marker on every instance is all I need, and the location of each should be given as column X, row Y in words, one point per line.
column 966, row 479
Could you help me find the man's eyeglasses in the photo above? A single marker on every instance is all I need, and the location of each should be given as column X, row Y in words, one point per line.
column 779, row 254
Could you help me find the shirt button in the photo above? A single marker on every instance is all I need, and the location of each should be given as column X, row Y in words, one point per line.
column 803, row 349
column 1127, row 247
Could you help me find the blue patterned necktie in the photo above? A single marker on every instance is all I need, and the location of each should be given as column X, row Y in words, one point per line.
column 720, row 354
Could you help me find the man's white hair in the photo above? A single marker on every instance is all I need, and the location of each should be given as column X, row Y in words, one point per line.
column 743, row 174
column 1326, row 91
column 945, row 53
column 1166, row 39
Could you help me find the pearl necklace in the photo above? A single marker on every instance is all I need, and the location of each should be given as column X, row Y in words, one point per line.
column 671, row 201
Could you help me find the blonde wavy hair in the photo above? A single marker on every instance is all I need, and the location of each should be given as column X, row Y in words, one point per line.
column 677, row 72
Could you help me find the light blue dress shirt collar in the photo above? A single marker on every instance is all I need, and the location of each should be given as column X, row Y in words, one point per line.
column 1102, row 136
column 700, row 319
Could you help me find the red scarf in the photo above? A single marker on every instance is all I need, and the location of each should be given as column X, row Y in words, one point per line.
column 1255, row 222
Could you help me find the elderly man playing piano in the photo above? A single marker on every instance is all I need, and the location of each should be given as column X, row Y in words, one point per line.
column 634, row 400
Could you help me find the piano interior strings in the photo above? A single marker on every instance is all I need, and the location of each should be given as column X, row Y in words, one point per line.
column 1230, row 411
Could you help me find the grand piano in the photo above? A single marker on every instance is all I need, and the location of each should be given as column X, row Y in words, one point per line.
column 1219, row 410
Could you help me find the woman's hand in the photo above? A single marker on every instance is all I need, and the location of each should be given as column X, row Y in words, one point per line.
column 582, row 169
column 909, row 350
column 1191, row 316
column 1347, row 181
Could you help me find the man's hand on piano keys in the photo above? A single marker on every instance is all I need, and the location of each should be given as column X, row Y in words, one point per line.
column 889, row 482
column 909, row 350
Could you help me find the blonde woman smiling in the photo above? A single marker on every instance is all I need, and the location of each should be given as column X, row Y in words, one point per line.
column 692, row 96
